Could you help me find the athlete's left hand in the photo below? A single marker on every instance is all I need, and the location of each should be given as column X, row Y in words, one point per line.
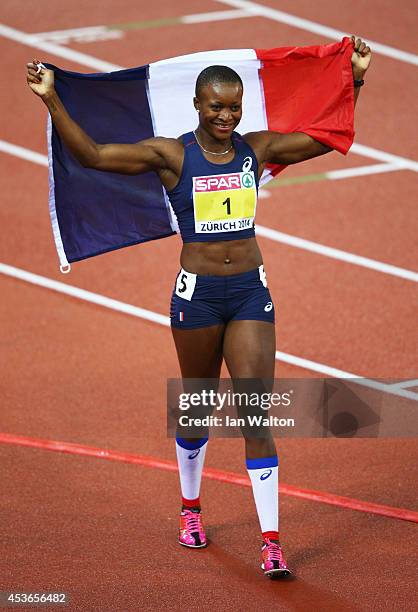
column 361, row 57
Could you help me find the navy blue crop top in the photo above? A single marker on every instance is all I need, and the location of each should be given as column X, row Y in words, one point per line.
column 215, row 202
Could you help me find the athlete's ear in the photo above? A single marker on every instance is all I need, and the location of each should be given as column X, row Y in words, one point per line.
column 196, row 104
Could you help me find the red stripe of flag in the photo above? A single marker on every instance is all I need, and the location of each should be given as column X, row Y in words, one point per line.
column 310, row 89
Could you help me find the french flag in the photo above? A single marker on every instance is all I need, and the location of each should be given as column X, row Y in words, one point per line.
column 289, row 89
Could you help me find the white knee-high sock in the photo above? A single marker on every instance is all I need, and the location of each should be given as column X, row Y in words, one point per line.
column 264, row 475
column 190, row 459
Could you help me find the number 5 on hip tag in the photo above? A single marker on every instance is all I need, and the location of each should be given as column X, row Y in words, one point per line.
column 185, row 284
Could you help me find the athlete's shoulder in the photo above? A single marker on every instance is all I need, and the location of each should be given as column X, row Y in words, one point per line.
column 163, row 141
column 259, row 142
column 168, row 148
column 255, row 139
column 187, row 139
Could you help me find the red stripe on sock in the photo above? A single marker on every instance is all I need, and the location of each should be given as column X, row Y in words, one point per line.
column 271, row 535
column 191, row 503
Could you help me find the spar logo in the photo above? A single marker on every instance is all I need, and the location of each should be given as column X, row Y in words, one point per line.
column 224, row 182
column 218, row 183
column 247, row 180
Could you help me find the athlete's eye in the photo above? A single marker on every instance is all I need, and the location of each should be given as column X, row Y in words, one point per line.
column 235, row 109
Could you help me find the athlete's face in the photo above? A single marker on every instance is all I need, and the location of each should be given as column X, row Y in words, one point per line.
column 220, row 109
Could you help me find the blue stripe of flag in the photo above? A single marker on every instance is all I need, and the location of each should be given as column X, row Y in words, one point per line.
column 103, row 211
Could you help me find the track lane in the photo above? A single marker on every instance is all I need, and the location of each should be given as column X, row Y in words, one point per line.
column 322, row 541
column 44, row 16
column 72, row 448
column 65, row 379
column 92, row 541
column 380, row 23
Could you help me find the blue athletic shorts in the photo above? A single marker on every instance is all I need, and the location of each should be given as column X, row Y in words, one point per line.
column 202, row 301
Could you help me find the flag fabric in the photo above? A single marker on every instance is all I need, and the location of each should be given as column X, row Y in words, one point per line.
column 290, row 89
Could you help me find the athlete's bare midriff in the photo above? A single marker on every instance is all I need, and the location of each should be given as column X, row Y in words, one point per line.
column 221, row 258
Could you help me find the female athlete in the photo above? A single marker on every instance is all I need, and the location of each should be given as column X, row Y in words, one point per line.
column 221, row 307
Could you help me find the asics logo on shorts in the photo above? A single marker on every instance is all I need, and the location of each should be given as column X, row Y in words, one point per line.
column 194, row 454
column 268, row 306
column 265, row 475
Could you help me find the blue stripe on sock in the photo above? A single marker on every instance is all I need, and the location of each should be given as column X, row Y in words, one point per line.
column 262, row 462
column 191, row 445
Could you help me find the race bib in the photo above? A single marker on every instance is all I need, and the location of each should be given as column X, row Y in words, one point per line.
column 185, row 284
column 224, row 202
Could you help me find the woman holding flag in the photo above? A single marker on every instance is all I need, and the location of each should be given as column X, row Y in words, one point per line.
column 221, row 307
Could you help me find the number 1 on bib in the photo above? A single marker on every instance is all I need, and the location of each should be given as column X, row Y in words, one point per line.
column 228, row 205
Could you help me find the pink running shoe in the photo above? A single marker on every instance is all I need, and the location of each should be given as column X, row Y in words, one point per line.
column 191, row 532
column 274, row 564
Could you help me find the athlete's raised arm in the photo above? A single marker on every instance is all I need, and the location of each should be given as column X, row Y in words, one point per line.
column 271, row 147
column 162, row 155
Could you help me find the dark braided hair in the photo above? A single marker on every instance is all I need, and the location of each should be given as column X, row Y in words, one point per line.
column 216, row 74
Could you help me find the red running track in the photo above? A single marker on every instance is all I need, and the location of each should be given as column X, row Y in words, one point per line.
column 105, row 531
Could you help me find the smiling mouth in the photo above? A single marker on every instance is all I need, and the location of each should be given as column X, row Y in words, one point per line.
column 223, row 126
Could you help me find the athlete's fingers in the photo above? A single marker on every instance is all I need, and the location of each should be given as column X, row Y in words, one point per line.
column 38, row 66
column 33, row 72
column 357, row 42
column 33, row 79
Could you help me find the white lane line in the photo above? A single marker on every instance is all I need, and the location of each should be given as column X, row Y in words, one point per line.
column 215, row 16
column 93, row 62
column 382, row 156
column 317, row 28
column 321, row 249
column 265, row 232
column 321, row 368
column 263, row 194
column 81, row 35
column 101, row 32
column 31, row 40
column 334, row 175
column 149, row 315
column 38, row 158
column 27, row 154
column 82, row 294
column 405, row 384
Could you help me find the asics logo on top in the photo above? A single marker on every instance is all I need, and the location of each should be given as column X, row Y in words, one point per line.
column 246, row 166
column 194, row 454
column 268, row 306
column 265, row 475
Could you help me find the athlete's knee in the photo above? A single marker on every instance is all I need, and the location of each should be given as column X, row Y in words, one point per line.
column 260, row 447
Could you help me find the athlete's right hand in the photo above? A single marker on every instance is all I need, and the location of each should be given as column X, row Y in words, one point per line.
column 41, row 83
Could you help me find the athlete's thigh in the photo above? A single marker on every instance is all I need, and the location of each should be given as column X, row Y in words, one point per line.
column 199, row 351
column 249, row 349
column 249, row 352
